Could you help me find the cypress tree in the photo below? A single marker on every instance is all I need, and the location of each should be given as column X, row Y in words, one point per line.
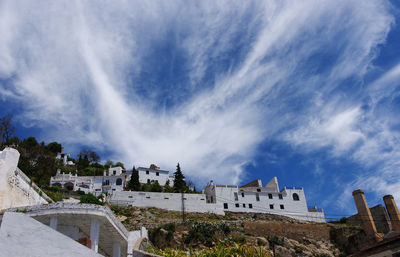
column 134, row 183
column 179, row 180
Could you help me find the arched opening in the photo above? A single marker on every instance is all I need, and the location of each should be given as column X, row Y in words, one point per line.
column 296, row 197
column 119, row 182
column 69, row 186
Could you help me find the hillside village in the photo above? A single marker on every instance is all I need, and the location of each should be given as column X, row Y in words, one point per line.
column 106, row 210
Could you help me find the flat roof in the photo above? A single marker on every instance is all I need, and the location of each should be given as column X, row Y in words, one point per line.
column 143, row 168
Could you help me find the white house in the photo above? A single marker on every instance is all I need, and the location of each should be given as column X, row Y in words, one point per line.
column 113, row 171
column 253, row 197
column 153, row 173
column 92, row 184
column 64, row 157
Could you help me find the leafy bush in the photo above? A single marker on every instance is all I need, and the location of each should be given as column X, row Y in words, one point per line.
column 221, row 250
column 224, row 228
column 202, row 232
column 90, row 198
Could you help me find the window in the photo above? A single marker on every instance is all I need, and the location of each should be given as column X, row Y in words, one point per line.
column 296, row 197
column 225, row 206
column 107, row 182
column 114, row 172
column 130, row 196
column 97, row 189
column 242, row 194
column 157, row 173
column 237, row 205
column 270, row 196
column 250, row 206
column 212, row 199
column 258, row 189
column 113, row 189
column 282, row 207
column 119, row 182
column 271, row 206
column 236, row 196
column 148, row 197
column 244, row 205
column 280, row 196
column 148, row 181
column 147, row 172
column 166, row 198
column 257, row 197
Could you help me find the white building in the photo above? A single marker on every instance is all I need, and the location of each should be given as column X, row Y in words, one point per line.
column 153, row 173
column 64, row 157
column 113, row 171
column 254, row 197
column 92, row 184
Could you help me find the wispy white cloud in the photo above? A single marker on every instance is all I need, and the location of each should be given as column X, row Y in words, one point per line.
column 75, row 67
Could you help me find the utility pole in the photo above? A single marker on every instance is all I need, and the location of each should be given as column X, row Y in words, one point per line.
column 183, row 207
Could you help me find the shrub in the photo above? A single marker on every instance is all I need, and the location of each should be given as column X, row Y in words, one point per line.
column 202, row 232
column 90, row 198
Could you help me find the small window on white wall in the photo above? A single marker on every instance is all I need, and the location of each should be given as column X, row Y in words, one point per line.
column 296, row 197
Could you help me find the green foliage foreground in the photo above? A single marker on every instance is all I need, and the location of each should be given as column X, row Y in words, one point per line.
column 220, row 250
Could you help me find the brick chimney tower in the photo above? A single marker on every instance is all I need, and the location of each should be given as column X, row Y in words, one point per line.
column 365, row 214
column 393, row 212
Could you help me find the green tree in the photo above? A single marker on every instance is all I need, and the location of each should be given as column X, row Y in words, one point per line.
column 156, row 187
column 179, row 180
column 6, row 128
column 30, row 142
column 120, row 164
column 54, row 147
column 134, row 183
column 108, row 164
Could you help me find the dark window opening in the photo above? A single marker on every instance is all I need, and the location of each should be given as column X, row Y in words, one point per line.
column 282, row 207
column 296, row 197
column 157, row 173
column 148, row 181
column 147, row 172
column 225, row 206
column 258, row 189
column 244, row 205
column 242, row 194
column 236, row 205
column 270, row 196
column 119, row 182
column 280, row 196
column 271, row 206
column 236, row 196
column 250, row 206
column 257, row 197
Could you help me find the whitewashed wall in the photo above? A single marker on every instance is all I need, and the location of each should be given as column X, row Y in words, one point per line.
column 15, row 187
column 167, row 201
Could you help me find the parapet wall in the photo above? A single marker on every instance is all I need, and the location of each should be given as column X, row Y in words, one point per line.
column 15, row 188
column 167, row 201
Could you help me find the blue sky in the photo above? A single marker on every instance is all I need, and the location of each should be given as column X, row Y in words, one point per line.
column 307, row 91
